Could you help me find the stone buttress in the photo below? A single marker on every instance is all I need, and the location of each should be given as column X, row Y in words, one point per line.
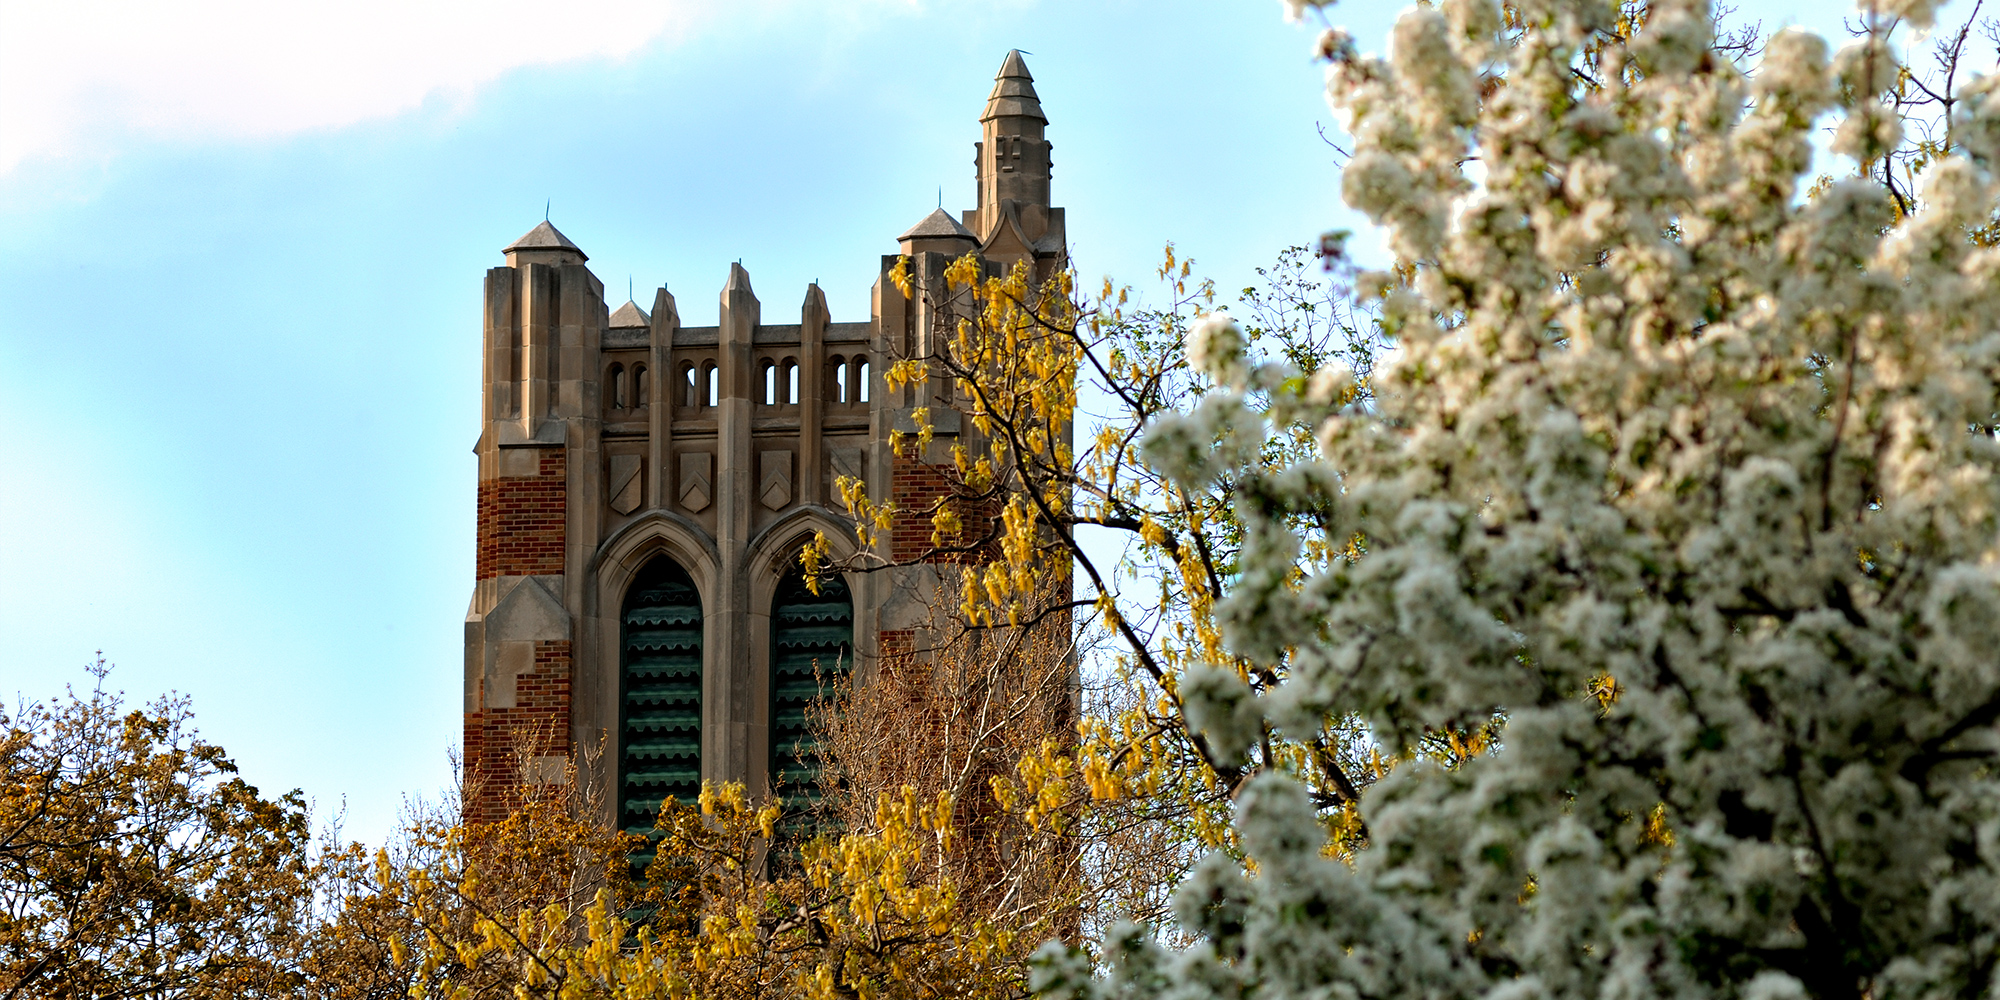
column 645, row 488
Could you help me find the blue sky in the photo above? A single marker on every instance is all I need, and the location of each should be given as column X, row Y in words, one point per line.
column 239, row 290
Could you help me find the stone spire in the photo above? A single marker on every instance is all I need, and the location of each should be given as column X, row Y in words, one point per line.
column 1014, row 92
column 1013, row 156
column 1014, row 219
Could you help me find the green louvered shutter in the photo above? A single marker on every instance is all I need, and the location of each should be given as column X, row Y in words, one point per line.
column 659, row 730
column 812, row 645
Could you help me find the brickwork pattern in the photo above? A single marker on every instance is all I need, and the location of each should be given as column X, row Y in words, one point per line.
column 501, row 742
column 895, row 644
column 521, row 521
column 915, row 488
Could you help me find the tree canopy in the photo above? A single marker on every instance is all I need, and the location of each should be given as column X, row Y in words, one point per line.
column 1678, row 482
column 1600, row 598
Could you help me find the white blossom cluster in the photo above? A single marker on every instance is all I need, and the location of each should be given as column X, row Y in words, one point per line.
column 1656, row 419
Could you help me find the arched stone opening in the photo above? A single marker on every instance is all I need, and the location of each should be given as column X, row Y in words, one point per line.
column 659, row 694
column 812, row 651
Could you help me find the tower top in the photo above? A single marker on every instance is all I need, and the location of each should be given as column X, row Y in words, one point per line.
column 938, row 232
column 938, row 223
column 629, row 315
column 1013, row 92
column 1013, row 163
column 544, row 245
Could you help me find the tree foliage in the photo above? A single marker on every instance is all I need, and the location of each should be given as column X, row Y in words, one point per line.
column 1599, row 599
column 1679, row 482
column 135, row 863
column 907, row 883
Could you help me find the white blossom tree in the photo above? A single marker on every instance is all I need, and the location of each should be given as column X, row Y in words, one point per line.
column 1682, row 479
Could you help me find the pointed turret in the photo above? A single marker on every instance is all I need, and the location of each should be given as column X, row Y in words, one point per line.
column 1013, row 172
column 543, row 245
column 1014, row 92
column 630, row 315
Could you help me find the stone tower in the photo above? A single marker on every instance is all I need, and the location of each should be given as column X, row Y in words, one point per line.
column 645, row 489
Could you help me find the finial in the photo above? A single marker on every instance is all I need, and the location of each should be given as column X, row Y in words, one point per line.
column 940, row 196
column 545, row 209
column 628, row 286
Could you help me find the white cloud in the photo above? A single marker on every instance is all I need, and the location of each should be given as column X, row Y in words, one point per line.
column 77, row 76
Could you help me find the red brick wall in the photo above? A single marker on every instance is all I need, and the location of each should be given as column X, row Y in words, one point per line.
column 915, row 488
column 499, row 742
column 521, row 521
column 521, row 533
column 895, row 643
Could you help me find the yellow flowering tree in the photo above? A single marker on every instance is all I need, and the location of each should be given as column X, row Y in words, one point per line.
column 134, row 862
column 727, row 910
column 1054, row 510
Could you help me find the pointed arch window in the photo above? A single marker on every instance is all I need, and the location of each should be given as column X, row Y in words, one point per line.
column 659, row 697
column 812, row 648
